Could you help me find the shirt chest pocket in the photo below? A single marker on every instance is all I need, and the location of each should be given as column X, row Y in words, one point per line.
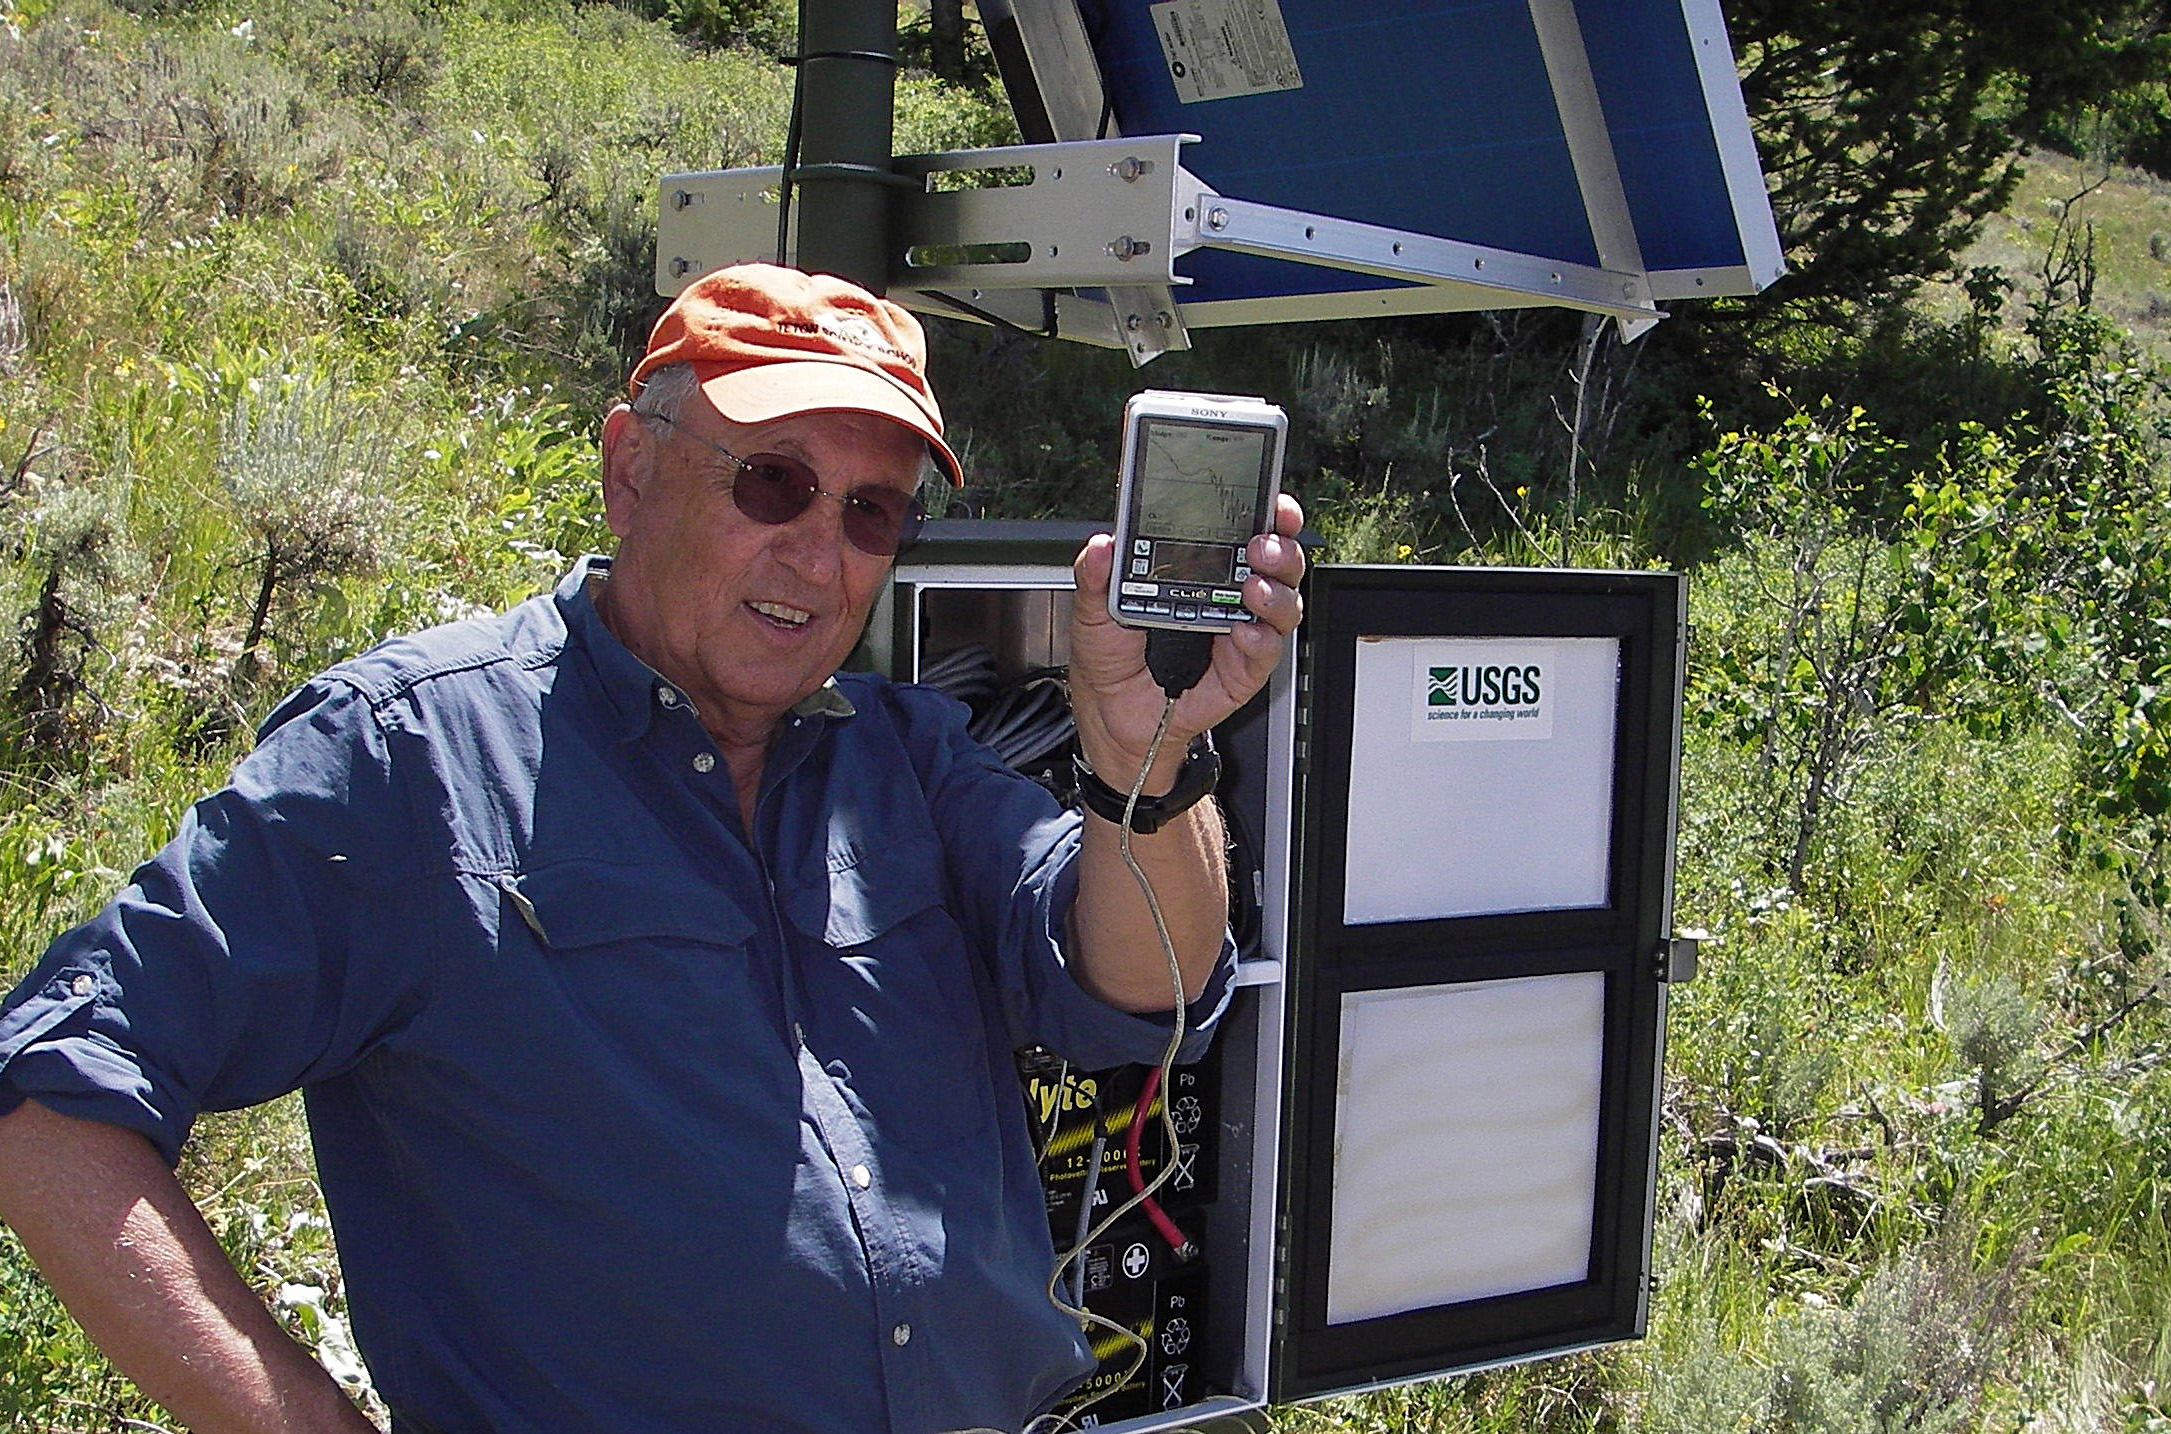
column 892, row 1000
column 633, row 963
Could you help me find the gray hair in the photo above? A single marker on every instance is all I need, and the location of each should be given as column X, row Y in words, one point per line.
column 664, row 392
column 663, row 397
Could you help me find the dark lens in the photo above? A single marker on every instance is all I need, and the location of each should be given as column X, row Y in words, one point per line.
column 771, row 488
column 880, row 520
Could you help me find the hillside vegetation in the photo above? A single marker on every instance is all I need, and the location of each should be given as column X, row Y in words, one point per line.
column 307, row 314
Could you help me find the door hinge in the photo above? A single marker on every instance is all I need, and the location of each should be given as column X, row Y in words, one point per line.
column 1676, row 960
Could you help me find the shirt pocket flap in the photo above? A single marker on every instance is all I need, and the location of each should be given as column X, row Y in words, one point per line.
column 869, row 892
column 576, row 903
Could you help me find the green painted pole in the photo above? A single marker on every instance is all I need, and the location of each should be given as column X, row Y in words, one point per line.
column 848, row 80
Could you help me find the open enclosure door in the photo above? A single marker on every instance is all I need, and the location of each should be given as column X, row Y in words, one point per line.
column 1476, row 990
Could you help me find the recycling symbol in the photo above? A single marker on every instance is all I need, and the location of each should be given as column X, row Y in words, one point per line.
column 1187, row 1113
column 1176, row 1336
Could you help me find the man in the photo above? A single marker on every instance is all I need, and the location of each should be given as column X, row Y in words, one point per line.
column 653, row 990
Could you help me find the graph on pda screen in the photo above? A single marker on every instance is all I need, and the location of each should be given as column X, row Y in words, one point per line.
column 1201, row 483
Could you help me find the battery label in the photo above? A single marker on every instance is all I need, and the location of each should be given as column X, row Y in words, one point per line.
column 1219, row 49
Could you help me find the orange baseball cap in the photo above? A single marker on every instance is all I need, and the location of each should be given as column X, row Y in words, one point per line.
column 767, row 342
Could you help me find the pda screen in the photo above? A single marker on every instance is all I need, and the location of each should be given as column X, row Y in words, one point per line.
column 1200, row 482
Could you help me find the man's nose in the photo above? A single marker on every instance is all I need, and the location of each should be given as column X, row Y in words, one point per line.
column 812, row 544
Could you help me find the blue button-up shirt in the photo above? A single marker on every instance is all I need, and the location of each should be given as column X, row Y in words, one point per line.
column 628, row 1119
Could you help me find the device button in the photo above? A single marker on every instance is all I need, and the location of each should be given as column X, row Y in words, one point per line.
column 1142, row 546
column 1243, row 571
column 901, row 1336
column 1157, row 609
column 1140, row 565
column 1133, row 605
column 1187, row 612
column 1228, row 597
column 1145, row 590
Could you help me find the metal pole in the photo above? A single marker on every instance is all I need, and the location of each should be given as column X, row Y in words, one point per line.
column 848, row 79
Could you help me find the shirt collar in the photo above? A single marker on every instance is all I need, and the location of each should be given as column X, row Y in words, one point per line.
column 827, row 700
column 631, row 688
column 627, row 685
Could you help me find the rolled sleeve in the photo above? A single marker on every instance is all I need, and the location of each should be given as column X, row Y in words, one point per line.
column 58, row 1044
column 221, row 976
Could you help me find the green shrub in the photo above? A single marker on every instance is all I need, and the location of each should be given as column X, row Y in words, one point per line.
column 300, row 464
column 1916, row 1349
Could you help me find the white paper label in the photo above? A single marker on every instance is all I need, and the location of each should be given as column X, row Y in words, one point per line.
column 1219, row 49
column 1460, row 816
column 1490, row 690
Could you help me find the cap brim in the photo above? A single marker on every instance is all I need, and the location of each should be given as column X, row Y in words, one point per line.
column 766, row 392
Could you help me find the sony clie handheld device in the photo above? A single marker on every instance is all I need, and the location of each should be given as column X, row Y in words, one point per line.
column 1200, row 473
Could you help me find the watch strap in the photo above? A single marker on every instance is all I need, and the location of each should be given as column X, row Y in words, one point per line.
column 1198, row 776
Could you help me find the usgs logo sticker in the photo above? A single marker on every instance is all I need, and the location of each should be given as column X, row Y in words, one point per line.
column 1481, row 691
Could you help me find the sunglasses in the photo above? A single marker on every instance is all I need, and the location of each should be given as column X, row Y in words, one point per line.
column 774, row 488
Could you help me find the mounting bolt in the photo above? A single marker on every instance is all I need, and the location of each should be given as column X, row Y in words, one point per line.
column 679, row 268
column 1217, row 219
column 680, row 199
column 1165, row 319
column 1127, row 248
column 1131, row 169
column 1134, row 323
column 1628, row 291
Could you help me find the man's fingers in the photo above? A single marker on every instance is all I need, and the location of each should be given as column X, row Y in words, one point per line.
column 1090, row 569
column 1278, row 555
column 1288, row 515
column 1277, row 567
column 1275, row 604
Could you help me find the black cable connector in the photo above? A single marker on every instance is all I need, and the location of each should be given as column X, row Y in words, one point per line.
column 1178, row 660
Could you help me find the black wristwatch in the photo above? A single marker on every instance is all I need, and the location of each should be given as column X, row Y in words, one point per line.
column 1201, row 770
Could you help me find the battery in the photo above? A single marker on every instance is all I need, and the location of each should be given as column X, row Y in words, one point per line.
column 1134, row 1280
column 1067, row 1108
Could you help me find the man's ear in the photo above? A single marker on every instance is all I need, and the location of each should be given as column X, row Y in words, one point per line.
column 628, row 448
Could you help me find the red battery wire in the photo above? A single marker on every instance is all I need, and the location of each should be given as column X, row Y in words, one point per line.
column 1153, row 1211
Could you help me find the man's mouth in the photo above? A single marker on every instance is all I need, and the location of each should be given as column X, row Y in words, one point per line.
column 778, row 612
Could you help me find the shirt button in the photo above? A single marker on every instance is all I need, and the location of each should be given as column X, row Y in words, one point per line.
column 704, row 762
column 82, row 985
column 901, row 1335
column 863, row 1177
column 667, row 696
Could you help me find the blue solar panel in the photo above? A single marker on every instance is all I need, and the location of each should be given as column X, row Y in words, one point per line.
column 1438, row 118
column 1643, row 60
